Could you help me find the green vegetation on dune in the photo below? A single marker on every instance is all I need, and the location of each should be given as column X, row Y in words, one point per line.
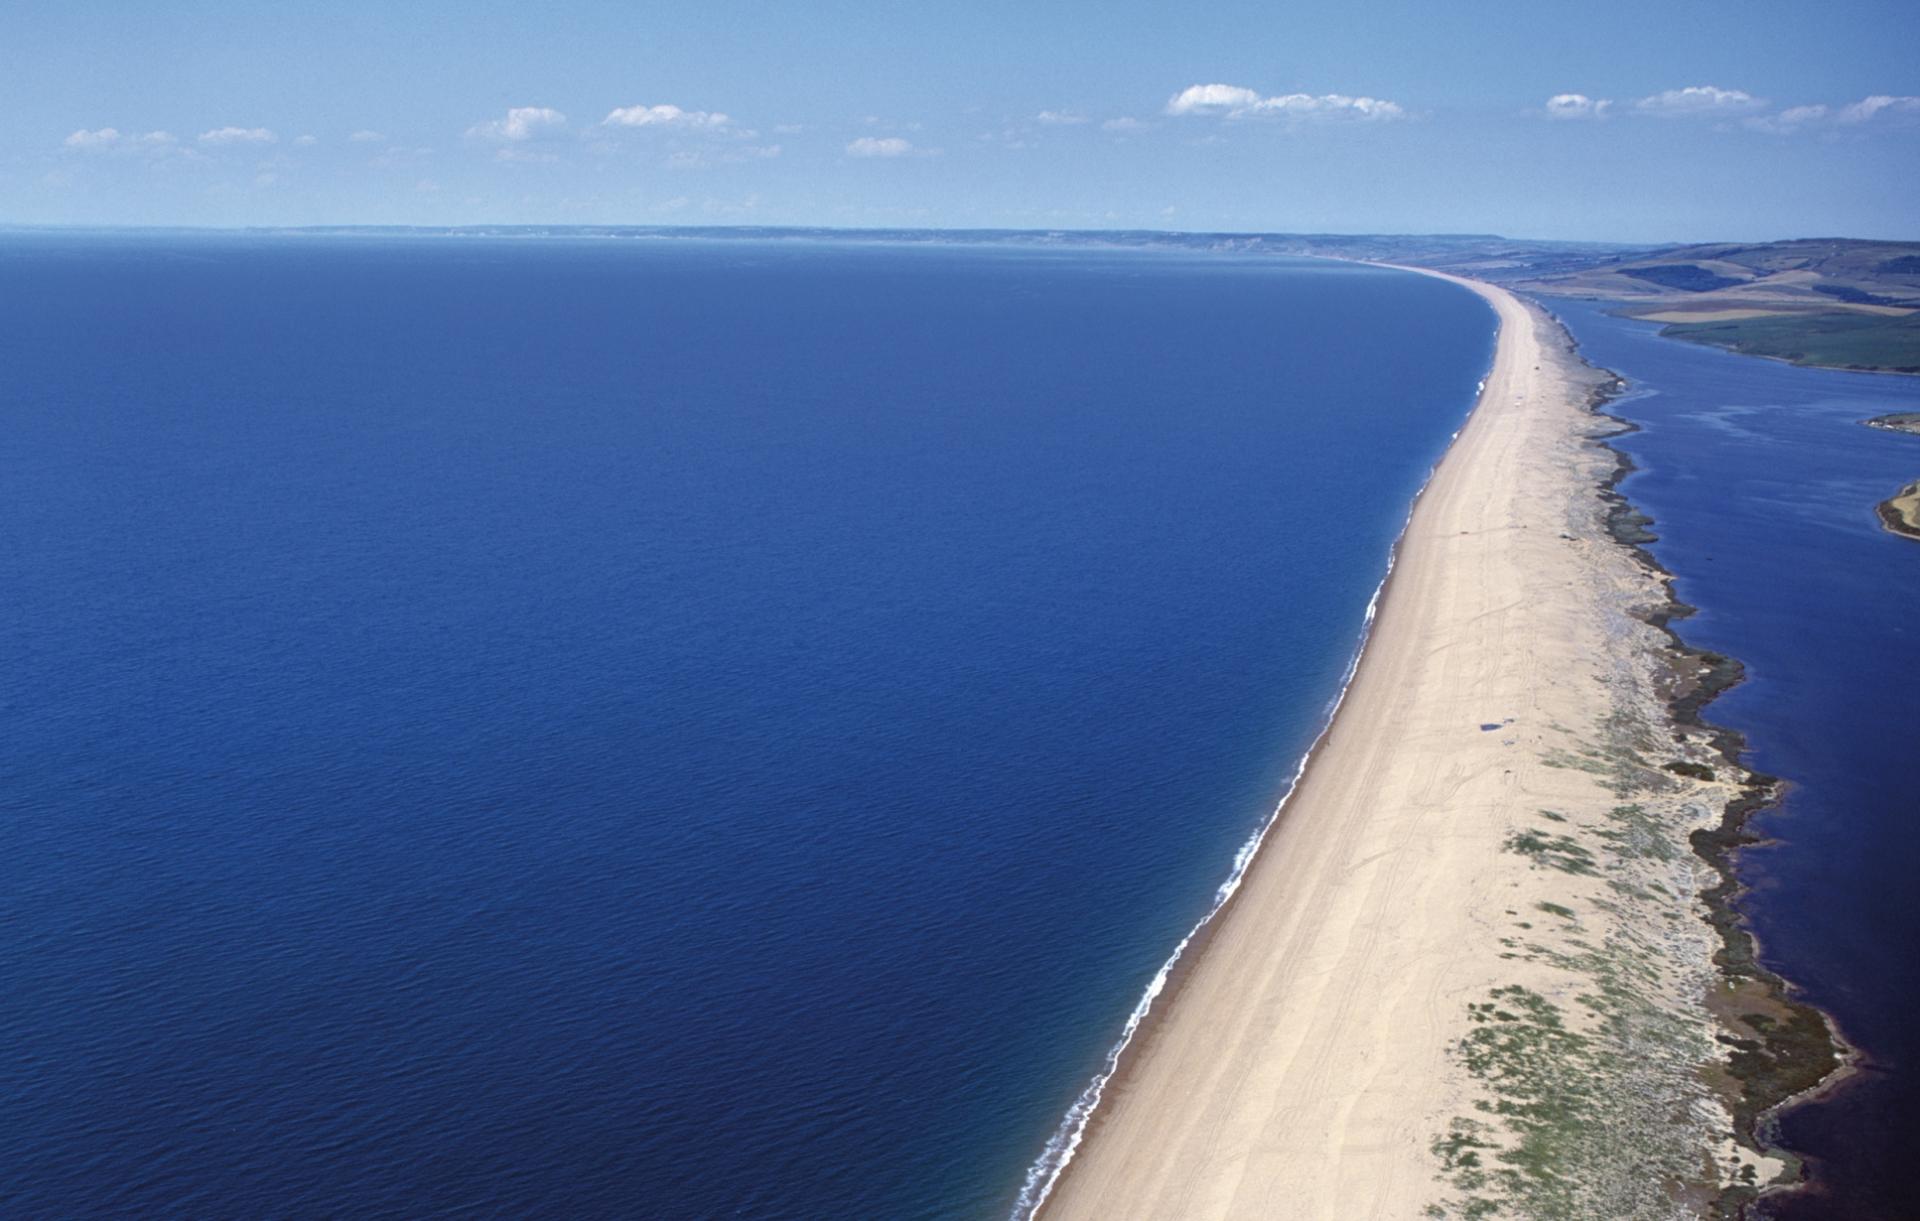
column 1844, row 341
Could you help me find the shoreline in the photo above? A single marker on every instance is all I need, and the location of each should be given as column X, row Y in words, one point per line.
column 1083, row 1115
column 1819, row 1059
column 1273, row 1059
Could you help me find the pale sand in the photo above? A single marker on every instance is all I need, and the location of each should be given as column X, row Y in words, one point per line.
column 1302, row 1067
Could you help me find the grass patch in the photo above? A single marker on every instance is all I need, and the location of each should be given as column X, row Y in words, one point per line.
column 1636, row 834
column 1585, row 761
column 1590, row 1104
column 1838, row 340
column 1560, row 852
column 1576, row 1123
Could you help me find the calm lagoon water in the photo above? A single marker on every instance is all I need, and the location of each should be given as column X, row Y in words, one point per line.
column 586, row 728
column 1762, row 485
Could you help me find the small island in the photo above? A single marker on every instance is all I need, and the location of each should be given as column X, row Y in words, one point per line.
column 1899, row 421
column 1900, row 513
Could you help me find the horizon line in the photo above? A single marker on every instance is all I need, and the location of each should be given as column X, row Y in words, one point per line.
column 541, row 228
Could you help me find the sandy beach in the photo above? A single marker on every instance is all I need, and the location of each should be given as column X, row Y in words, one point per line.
column 1468, row 968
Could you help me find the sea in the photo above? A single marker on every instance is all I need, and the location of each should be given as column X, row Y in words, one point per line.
column 1762, row 483
column 562, row 727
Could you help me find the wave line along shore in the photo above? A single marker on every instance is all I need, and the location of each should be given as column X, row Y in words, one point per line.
column 1469, row 970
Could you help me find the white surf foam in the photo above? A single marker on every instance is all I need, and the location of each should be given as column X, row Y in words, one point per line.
column 1065, row 1141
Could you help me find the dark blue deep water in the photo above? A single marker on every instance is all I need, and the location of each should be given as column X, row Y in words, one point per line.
column 1762, row 484
column 585, row 729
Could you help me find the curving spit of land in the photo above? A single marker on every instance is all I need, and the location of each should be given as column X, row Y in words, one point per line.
column 1477, row 968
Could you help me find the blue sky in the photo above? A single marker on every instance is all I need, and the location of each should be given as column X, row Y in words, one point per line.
column 1629, row 120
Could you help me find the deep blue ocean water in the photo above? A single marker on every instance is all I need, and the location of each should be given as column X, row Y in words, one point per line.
column 584, row 728
column 1762, row 484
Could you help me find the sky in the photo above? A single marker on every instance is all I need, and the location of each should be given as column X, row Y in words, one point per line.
column 1630, row 120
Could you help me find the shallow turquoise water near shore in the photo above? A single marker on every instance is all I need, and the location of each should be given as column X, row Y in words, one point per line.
column 1762, row 485
column 559, row 728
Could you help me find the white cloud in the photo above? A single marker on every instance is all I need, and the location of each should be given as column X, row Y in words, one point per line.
column 1879, row 104
column 108, row 139
column 1332, row 104
column 1210, row 99
column 1820, row 116
column 1699, row 100
column 305, row 141
column 105, row 137
column 1794, row 118
column 1125, row 123
column 664, row 115
column 1577, row 106
column 238, row 135
column 521, row 123
column 367, row 137
column 1060, row 118
column 879, row 146
column 1236, row 102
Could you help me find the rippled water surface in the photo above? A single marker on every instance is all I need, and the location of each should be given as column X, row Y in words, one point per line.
column 589, row 728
